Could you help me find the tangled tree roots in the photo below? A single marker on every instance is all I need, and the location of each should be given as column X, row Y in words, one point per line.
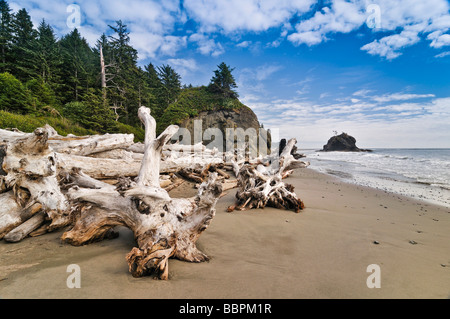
column 263, row 186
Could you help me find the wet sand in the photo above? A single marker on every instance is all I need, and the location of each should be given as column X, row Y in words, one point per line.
column 322, row 252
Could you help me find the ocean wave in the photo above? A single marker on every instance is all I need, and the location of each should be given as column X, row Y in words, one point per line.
column 424, row 170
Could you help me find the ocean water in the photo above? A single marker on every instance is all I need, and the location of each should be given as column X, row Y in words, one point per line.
column 420, row 173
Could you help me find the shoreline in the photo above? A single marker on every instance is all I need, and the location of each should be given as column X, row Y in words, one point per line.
column 397, row 187
column 322, row 252
column 396, row 179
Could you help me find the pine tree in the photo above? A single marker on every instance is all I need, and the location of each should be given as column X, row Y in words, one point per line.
column 48, row 54
column 223, row 81
column 171, row 84
column 24, row 42
column 152, row 77
column 156, row 90
column 123, row 58
column 79, row 67
column 5, row 36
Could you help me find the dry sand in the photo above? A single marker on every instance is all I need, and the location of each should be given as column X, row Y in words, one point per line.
column 323, row 252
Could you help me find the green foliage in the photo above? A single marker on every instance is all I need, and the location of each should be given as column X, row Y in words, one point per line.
column 14, row 97
column 79, row 69
column 191, row 102
column 24, row 40
column 170, row 84
column 42, row 92
column 90, row 113
column 223, row 82
column 28, row 123
column 5, row 36
column 139, row 133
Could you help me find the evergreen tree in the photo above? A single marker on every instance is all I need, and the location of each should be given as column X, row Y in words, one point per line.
column 170, row 84
column 48, row 54
column 41, row 91
column 151, row 76
column 24, row 42
column 123, row 60
column 223, row 81
column 156, row 90
column 5, row 36
column 79, row 66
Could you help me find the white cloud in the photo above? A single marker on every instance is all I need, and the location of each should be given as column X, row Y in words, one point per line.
column 443, row 54
column 362, row 92
column 236, row 15
column 390, row 46
column 265, row 71
column 400, row 97
column 342, row 17
column 438, row 39
column 405, row 18
column 171, row 44
column 183, row 66
column 244, row 44
column 373, row 120
column 309, row 38
column 206, row 45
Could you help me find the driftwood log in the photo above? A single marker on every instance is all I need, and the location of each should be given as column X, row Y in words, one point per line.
column 163, row 227
column 263, row 185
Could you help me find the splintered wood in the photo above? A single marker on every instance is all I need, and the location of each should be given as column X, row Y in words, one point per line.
column 88, row 185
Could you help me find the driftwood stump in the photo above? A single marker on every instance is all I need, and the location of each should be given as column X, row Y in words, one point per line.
column 163, row 227
column 43, row 190
column 263, row 185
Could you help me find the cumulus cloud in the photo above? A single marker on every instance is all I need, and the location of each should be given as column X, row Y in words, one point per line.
column 183, row 66
column 230, row 16
column 438, row 40
column 206, row 45
column 406, row 19
column 342, row 16
column 390, row 46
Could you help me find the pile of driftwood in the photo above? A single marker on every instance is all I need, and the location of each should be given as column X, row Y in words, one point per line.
column 88, row 185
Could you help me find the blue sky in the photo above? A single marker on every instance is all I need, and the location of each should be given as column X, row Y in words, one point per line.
column 376, row 69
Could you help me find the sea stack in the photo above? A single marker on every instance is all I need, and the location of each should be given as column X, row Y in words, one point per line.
column 343, row 143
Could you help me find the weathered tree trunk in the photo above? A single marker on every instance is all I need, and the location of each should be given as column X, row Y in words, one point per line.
column 163, row 227
column 263, row 186
column 87, row 145
column 103, row 76
column 26, row 228
column 31, row 182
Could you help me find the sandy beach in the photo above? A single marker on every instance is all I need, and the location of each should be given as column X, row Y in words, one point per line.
column 322, row 252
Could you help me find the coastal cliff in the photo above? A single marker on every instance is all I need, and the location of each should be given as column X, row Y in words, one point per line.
column 199, row 110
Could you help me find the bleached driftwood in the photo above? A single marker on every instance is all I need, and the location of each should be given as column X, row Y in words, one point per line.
column 163, row 227
column 263, row 186
column 26, row 228
column 75, row 145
